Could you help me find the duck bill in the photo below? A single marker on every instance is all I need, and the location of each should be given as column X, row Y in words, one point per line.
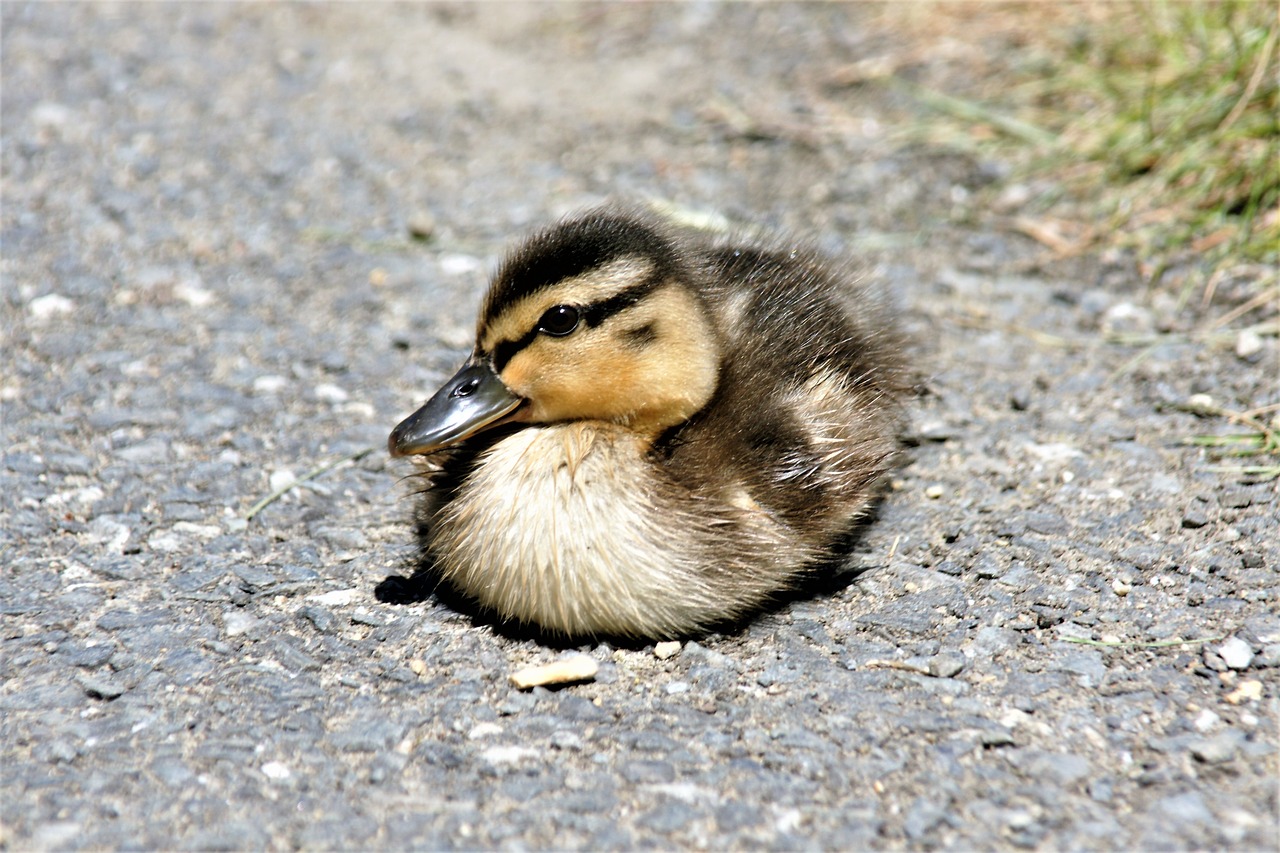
column 471, row 401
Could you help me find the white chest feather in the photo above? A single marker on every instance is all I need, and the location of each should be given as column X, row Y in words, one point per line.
column 568, row 526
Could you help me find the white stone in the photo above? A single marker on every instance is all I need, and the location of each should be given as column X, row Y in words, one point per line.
column 282, row 479
column 275, row 770
column 484, row 730
column 270, row 384
column 165, row 541
column 193, row 293
column 111, row 533
column 329, row 393
column 54, row 304
column 48, row 114
column 1206, row 720
column 336, row 598
column 1236, row 653
column 1248, row 343
column 1053, row 452
column 203, row 531
column 237, row 622
column 508, row 754
column 666, row 650
column 455, row 264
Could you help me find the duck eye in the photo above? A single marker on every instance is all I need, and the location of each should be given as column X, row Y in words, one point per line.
column 559, row 320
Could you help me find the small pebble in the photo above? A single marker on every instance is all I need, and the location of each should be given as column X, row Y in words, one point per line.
column 44, row 307
column 1201, row 404
column 945, row 665
column 934, row 492
column 335, row 598
column 1206, row 720
column 996, row 737
column 1121, row 588
column 1217, row 749
column 482, row 730
column 419, row 667
column 101, row 688
column 508, row 754
column 564, row 671
column 282, row 479
column 193, row 293
column 238, row 622
column 1248, row 344
column 1248, row 691
column 1194, row 518
column 270, row 384
column 667, row 650
column 275, row 770
column 422, row 226
column 1236, row 653
column 327, row 392
column 460, row 264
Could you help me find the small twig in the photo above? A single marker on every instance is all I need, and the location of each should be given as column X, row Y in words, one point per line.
column 1120, row 644
column 880, row 663
column 310, row 475
column 893, row 550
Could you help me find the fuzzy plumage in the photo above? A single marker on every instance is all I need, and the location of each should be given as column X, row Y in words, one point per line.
column 716, row 417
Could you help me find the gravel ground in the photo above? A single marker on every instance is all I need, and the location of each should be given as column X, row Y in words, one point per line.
column 212, row 285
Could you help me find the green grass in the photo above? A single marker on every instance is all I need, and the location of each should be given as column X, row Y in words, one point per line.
column 1161, row 120
column 1260, row 443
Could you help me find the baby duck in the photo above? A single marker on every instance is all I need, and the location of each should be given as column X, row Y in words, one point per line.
column 656, row 431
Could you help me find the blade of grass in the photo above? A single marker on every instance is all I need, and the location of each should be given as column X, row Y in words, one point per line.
column 973, row 111
column 310, row 475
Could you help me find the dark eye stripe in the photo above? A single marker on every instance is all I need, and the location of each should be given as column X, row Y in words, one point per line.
column 593, row 315
column 506, row 350
column 603, row 310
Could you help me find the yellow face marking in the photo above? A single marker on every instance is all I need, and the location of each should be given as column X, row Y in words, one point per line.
column 601, row 373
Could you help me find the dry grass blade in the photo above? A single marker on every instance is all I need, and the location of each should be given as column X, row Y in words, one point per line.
column 310, row 475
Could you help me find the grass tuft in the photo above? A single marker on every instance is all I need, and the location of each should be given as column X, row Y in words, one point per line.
column 1160, row 119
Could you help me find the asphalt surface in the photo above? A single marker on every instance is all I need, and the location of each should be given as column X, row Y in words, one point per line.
column 212, row 285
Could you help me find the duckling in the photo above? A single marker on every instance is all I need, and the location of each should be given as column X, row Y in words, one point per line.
column 657, row 432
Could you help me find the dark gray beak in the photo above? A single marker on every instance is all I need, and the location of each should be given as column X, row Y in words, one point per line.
column 473, row 399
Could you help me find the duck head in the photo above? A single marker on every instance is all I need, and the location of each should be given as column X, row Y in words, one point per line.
column 594, row 319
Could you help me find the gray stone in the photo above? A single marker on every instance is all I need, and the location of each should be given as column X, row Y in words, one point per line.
column 671, row 816
column 1188, row 807
column 1194, row 517
column 945, row 665
column 648, row 772
column 101, row 686
column 1219, row 748
column 923, row 816
column 87, row 656
column 367, row 735
column 323, row 620
column 1058, row 768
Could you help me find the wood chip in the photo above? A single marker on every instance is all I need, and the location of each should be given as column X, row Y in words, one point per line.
column 564, row 671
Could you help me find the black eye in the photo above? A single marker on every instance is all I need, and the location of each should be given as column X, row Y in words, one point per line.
column 559, row 320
